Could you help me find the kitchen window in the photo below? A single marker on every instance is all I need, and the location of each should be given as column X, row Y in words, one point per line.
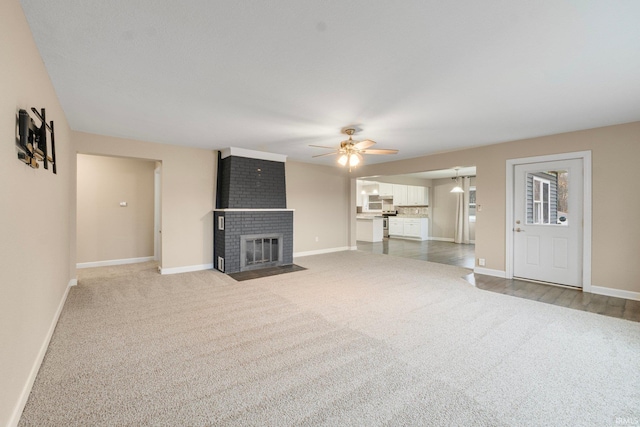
column 472, row 204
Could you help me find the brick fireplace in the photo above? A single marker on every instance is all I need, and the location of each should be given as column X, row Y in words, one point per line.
column 253, row 228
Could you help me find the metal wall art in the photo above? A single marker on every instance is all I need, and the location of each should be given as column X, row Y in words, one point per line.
column 32, row 140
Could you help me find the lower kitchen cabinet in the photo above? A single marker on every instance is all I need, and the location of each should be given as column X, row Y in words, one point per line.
column 410, row 228
column 396, row 226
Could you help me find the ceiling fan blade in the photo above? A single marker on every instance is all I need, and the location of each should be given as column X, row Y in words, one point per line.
column 322, row 146
column 326, row 154
column 379, row 151
column 363, row 145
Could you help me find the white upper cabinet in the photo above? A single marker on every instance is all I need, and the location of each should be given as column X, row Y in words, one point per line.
column 417, row 195
column 370, row 188
column 385, row 189
column 399, row 195
column 403, row 195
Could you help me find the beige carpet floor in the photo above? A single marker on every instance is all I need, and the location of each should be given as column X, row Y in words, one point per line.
column 356, row 339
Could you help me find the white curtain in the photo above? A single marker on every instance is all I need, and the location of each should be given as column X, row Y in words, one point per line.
column 462, row 213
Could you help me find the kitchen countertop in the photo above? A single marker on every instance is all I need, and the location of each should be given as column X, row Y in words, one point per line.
column 412, row 216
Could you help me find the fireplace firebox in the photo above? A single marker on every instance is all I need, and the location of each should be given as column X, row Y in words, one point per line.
column 260, row 251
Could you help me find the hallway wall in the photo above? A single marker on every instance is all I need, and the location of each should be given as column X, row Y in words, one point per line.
column 105, row 230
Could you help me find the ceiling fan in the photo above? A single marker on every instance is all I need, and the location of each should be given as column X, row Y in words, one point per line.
column 351, row 151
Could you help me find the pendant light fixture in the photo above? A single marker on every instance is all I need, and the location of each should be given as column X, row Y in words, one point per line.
column 457, row 188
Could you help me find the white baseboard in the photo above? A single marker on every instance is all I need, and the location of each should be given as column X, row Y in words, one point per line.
column 26, row 390
column 490, row 272
column 73, row 282
column 353, row 248
column 324, row 251
column 619, row 293
column 186, row 269
column 110, row 262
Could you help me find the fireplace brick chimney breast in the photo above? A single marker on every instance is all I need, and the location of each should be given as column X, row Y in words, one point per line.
column 252, row 184
column 251, row 201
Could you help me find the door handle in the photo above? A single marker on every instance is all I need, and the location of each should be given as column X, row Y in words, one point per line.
column 518, row 230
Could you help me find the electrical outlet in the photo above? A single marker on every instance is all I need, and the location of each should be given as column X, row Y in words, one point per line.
column 481, row 262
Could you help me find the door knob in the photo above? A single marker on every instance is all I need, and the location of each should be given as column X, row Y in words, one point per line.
column 518, row 230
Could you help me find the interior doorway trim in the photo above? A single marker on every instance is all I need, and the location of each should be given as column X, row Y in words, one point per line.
column 585, row 156
column 157, row 213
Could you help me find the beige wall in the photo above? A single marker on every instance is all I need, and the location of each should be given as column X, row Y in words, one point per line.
column 615, row 153
column 443, row 206
column 38, row 210
column 320, row 197
column 105, row 230
column 34, row 215
column 188, row 188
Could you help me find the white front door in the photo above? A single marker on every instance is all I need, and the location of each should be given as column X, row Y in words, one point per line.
column 548, row 222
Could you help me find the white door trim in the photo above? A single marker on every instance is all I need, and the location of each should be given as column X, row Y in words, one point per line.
column 157, row 213
column 586, row 229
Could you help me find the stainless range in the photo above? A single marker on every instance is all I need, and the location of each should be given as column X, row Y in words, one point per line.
column 385, row 222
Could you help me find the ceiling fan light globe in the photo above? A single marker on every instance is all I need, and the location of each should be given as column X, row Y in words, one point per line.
column 353, row 160
column 343, row 159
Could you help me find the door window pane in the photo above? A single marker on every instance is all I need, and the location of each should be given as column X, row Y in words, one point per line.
column 547, row 198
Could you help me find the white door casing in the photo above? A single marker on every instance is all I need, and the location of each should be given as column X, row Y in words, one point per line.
column 548, row 252
column 567, row 259
column 157, row 214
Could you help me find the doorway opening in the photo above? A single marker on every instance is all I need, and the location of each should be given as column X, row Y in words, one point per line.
column 422, row 217
column 118, row 210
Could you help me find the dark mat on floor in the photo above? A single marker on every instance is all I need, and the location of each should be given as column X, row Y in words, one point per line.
column 265, row 272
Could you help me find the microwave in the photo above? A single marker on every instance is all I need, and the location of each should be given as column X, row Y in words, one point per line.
column 375, row 203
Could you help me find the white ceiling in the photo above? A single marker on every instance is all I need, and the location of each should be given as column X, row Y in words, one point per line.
column 417, row 76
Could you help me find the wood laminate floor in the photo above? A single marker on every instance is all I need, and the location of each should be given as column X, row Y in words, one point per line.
column 464, row 256
column 427, row 250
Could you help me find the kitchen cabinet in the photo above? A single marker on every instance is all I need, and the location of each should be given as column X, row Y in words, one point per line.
column 396, row 226
column 370, row 187
column 403, row 195
column 399, row 195
column 369, row 229
column 410, row 228
column 417, row 195
column 385, row 189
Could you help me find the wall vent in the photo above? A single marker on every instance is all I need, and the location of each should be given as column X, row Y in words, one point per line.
column 221, row 264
